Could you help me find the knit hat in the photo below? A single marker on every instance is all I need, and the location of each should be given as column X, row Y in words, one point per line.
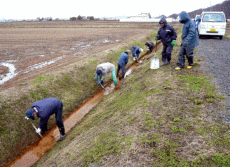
column 29, row 114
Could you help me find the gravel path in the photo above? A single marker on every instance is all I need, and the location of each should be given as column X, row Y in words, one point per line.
column 215, row 54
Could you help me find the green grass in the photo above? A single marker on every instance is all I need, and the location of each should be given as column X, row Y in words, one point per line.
column 227, row 36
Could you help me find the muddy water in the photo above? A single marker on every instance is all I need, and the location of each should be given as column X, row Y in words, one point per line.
column 34, row 152
column 11, row 74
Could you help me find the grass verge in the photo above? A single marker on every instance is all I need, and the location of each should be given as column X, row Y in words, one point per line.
column 158, row 118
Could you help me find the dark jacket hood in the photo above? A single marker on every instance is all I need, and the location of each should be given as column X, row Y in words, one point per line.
column 163, row 20
column 184, row 17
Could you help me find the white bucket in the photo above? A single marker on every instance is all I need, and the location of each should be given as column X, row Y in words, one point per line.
column 155, row 63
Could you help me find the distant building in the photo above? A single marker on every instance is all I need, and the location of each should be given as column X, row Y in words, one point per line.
column 141, row 16
column 146, row 17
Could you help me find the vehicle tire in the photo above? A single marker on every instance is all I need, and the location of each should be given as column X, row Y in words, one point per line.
column 200, row 36
column 221, row 37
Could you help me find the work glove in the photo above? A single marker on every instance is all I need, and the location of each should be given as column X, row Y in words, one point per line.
column 173, row 42
column 38, row 130
column 96, row 76
column 156, row 38
column 100, row 82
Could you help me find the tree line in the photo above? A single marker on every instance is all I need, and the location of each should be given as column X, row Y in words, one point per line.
column 82, row 18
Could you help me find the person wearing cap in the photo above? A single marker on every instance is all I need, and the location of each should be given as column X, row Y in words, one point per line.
column 44, row 109
column 136, row 52
column 103, row 69
column 167, row 35
column 122, row 61
column 189, row 41
column 150, row 45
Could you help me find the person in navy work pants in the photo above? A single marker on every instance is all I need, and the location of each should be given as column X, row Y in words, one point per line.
column 44, row 109
column 122, row 61
column 189, row 41
column 167, row 35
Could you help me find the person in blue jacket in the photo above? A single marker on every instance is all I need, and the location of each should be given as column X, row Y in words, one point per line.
column 122, row 61
column 136, row 52
column 167, row 35
column 189, row 41
column 197, row 22
column 44, row 109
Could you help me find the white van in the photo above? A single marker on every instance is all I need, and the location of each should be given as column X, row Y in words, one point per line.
column 212, row 24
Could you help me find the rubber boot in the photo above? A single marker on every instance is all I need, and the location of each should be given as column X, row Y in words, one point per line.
column 62, row 137
column 178, row 68
column 165, row 63
column 190, row 62
column 62, row 133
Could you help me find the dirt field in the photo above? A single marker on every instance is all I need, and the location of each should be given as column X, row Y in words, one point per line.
column 35, row 48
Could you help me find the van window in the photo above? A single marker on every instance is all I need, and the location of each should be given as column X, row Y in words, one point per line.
column 213, row 17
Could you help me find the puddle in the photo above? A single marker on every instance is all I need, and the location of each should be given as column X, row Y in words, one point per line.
column 11, row 61
column 105, row 41
column 65, row 50
column 43, row 64
column 11, row 74
column 88, row 45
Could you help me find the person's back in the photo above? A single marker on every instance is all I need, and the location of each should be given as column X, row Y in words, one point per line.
column 189, row 41
column 46, row 107
column 123, row 59
column 106, row 67
column 189, row 33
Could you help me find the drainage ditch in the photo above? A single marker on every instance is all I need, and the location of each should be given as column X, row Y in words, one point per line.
column 35, row 151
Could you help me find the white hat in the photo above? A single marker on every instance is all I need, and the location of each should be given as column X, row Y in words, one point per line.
column 141, row 50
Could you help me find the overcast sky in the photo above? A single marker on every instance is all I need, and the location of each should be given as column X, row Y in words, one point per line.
column 31, row 9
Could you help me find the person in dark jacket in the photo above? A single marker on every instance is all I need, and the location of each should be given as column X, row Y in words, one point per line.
column 44, row 109
column 150, row 45
column 189, row 41
column 122, row 61
column 136, row 52
column 167, row 35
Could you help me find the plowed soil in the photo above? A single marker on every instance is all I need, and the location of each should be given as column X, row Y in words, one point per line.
column 36, row 48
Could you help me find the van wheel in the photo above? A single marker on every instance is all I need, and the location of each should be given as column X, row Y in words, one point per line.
column 200, row 36
column 221, row 37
